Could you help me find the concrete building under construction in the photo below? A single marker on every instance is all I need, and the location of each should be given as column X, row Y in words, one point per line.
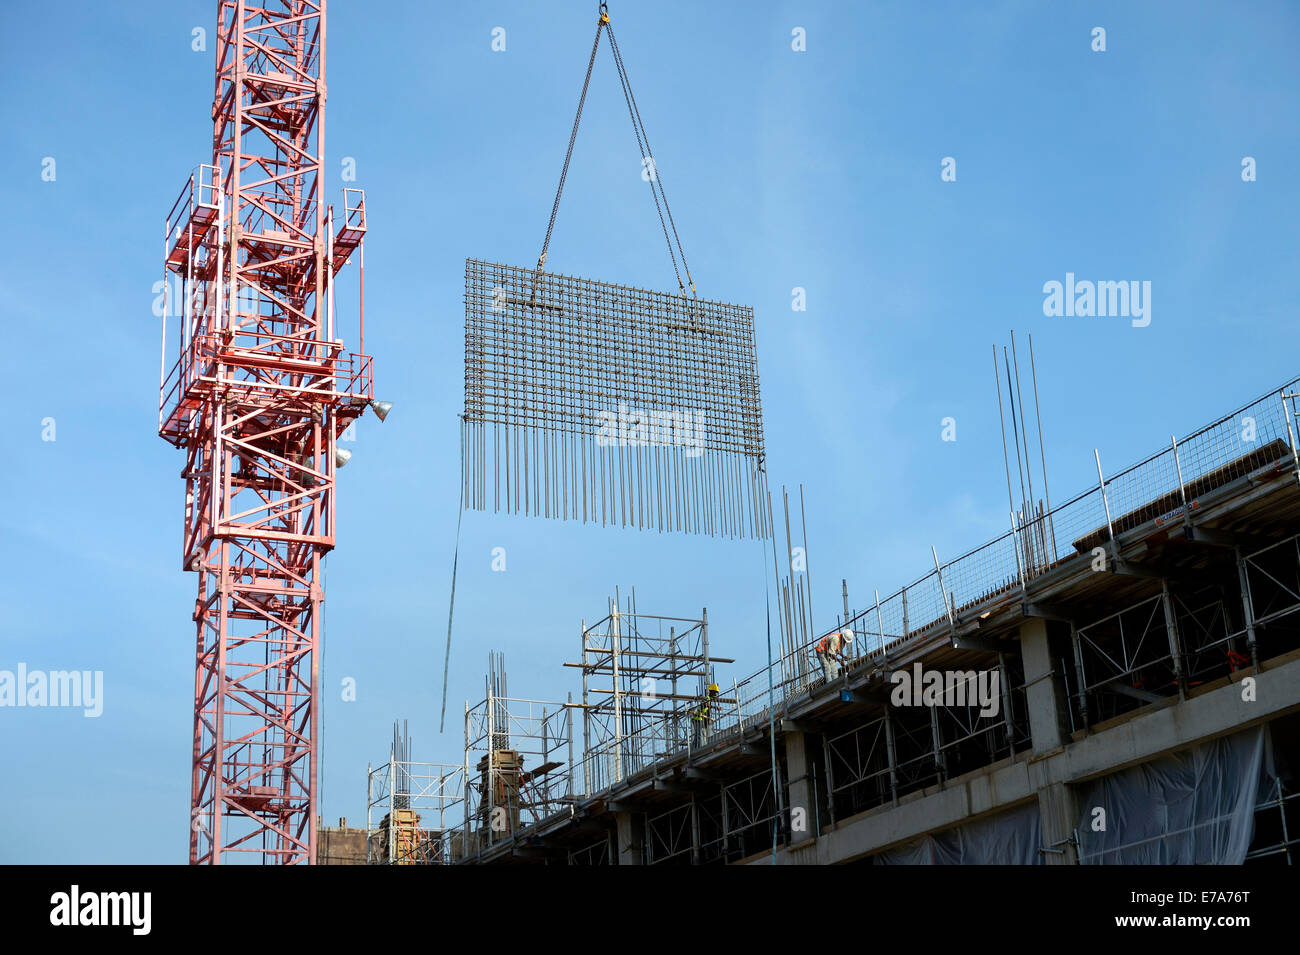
column 1115, row 680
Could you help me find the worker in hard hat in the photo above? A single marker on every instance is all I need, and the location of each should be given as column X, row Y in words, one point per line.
column 832, row 651
column 702, row 716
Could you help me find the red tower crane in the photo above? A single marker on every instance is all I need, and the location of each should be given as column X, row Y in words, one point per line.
column 258, row 395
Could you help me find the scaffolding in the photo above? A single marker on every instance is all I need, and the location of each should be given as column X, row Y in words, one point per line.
column 519, row 761
column 412, row 809
column 644, row 680
column 1187, row 634
column 722, row 822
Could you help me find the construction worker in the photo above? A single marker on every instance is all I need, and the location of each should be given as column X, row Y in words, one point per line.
column 832, row 650
column 702, row 716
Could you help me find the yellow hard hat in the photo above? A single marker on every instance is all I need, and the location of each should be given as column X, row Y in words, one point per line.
column 713, row 688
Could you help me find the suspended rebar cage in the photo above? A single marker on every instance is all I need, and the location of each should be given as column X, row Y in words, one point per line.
column 603, row 403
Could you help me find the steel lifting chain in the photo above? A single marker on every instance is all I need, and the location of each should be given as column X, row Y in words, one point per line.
column 649, row 169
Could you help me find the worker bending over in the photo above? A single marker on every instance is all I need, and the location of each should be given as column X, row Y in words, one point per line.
column 833, row 650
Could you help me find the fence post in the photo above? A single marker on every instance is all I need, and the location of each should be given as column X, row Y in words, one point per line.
column 1015, row 545
column 1110, row 527
column 952, row 621
column 1289, row 412
column 1182, row 488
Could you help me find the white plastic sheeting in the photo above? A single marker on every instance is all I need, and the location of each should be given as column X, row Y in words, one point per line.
column 1009, row 838
column 1195, row 807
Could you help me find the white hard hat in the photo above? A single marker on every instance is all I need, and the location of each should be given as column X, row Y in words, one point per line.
column 847, row 633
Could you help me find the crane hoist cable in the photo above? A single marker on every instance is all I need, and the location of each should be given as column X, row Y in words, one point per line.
column 650, row 171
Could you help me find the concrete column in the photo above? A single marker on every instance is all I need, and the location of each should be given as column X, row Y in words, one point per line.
column 801, row 789
column 1045, row 704
column 1058, row 813
column 631, row 837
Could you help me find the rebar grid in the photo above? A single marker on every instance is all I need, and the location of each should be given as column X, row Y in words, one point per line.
column 605, row 403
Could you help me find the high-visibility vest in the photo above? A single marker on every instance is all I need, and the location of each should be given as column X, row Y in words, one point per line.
column 832, row 642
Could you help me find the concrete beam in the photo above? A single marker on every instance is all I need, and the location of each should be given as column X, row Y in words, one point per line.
column 674, row 785
column 874, row 696
column 958, row 802
column 1229, row 539
column 708, row 775
column 624, row 805
column 1123, row 689
column 976, row 643
column 1046, row 611
column 786, row 725
column 1125, row 568
column 540, row 851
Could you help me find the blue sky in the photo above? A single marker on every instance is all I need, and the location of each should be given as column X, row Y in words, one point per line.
column 818, row 169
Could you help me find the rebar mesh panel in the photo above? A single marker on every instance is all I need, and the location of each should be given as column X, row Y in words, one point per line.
column 599, row 402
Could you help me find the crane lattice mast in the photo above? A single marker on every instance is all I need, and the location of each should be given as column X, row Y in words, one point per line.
column 258, row 393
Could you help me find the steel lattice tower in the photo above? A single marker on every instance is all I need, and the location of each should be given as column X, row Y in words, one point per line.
column 258, row 396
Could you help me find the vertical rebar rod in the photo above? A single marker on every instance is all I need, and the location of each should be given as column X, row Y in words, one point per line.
column 807, row 559
column 776, row 578
column 615, row 642
column 1042, row 446
column 1006, row 460
column 880, row 626
column 1015, row 430
column 1110, row 527
column 1020, row 398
